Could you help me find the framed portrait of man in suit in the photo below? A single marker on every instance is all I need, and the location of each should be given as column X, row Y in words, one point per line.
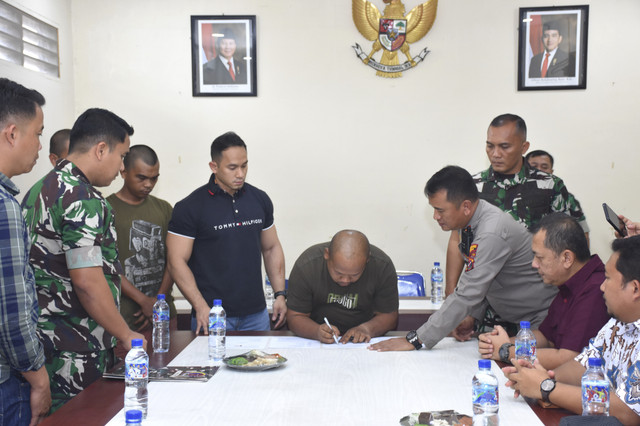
column 223, row 55
column 552, row 48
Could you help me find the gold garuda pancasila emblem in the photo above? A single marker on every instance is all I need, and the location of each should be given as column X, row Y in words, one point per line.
column 392, row 31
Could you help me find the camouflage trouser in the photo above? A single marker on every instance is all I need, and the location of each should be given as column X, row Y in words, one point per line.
column 71, row 372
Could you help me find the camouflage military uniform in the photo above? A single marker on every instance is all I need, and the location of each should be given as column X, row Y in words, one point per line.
column 71, row 226
column 529, row 195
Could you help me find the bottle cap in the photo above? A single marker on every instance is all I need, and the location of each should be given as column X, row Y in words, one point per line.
column 525, row 324
column 484, row 363
column 217, row 302
column 161, row 297
column 133, row 416
column 436, row 263
column 595, row 362
column 136, row 343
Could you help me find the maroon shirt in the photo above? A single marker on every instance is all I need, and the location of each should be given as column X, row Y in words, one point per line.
column 578, row 311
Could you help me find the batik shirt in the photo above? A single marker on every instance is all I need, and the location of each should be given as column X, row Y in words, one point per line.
column 71, row 226
column 618, row 345
column 528, row 195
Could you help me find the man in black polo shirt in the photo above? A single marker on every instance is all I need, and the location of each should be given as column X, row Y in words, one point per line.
column 216, row 238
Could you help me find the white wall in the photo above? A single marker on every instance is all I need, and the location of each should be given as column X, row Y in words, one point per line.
column 58, row 92
column 337, row 147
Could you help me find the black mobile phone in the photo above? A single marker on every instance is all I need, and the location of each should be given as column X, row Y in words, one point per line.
column 614, row 220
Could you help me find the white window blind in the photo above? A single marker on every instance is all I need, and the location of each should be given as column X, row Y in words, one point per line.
column 27, row 41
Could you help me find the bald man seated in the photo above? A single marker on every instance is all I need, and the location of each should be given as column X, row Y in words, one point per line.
column 347, row 281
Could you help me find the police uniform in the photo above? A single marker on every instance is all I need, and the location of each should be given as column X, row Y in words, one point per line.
column 498, row 273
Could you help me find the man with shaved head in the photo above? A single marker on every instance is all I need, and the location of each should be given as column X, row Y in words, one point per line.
column 59, row 146
column 142, row 221
column 348, row 281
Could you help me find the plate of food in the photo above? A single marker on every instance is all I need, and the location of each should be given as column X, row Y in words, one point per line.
column 436, row 418
column 254, row 360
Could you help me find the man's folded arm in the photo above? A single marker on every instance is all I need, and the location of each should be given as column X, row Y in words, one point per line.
column 568, row 394
column 551, row 358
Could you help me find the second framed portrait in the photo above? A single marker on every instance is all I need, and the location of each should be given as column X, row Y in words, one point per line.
column 223, row 55
column 552, row 48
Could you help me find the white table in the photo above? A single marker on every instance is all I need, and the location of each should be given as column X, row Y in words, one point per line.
column 326, row 385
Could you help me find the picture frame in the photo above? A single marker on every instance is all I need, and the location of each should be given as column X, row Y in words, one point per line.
column 564, row 30
column 217, row 42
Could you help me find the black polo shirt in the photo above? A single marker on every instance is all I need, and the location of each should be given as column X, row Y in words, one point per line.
column 227, row 253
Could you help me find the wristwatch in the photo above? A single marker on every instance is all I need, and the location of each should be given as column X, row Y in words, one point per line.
column 504, row 352
column 280, row 293
column 412, row 337
column 546, row 387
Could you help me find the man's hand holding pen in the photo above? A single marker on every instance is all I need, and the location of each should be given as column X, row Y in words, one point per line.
column 328, row 333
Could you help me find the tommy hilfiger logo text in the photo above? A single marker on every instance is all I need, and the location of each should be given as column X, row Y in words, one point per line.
column 236, row 224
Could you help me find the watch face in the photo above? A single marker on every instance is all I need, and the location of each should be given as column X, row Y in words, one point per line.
column 547, row 385
column 411, row 335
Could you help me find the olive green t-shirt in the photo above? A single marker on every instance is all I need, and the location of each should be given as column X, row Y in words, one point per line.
column 313, row 291
column 142, row 233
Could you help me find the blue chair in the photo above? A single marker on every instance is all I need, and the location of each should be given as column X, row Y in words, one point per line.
column 410, row 284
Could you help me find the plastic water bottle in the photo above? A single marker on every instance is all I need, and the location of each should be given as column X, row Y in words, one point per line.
column 217, row 331
column 595, row 390
column 136, row 378
column 268, row 292
column 160, row 335
column 485, row 395
column 133, row 417
column 525, row 343
column 437, row 291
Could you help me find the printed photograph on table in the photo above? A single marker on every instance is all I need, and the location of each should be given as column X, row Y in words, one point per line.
column 552, row 48
column 223, row 55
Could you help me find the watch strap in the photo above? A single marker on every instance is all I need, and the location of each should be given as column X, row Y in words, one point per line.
column 280, row 293
column 504, row 352
column 412, row 337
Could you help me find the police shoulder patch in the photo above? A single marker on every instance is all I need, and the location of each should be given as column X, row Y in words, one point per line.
column 471, row 259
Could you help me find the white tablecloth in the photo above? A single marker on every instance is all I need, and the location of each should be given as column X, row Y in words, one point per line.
column 326, row 385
